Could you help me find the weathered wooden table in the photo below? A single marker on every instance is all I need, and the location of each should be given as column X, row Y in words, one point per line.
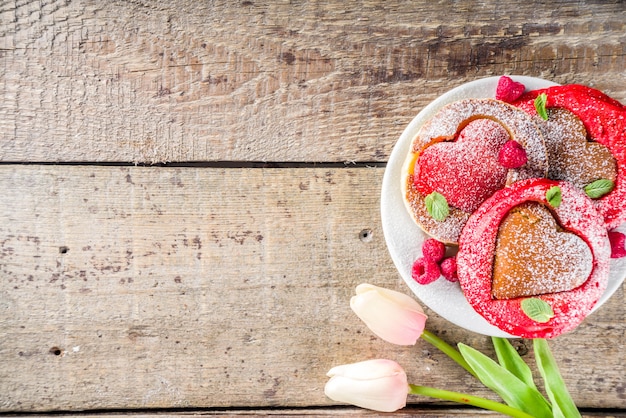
column 191, row 193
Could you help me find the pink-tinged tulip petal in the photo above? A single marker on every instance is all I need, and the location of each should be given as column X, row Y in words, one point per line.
column 380, row 385
column 393, row 316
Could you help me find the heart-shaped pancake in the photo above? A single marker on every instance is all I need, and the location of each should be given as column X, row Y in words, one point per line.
column 571, row 156
column 605, row 122
column 445, row 126
column 535, row 256
column 465, row 171
column 577, row 215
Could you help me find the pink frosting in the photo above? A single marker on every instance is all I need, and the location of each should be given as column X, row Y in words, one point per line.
column 576, row 214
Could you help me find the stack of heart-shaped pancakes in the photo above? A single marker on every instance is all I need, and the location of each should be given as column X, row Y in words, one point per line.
column 534, row 232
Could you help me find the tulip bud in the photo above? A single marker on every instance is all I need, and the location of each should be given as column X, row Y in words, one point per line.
column 393, row 316
column 380, row 385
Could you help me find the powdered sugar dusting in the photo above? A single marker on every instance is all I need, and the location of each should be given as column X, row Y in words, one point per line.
column 466, row 171
column 475, row 259
column 571, row 156
column 533, row 256
column 520, row 126
column 605, row 121
column 403, row 237
column 445, row 125
column 446, row 231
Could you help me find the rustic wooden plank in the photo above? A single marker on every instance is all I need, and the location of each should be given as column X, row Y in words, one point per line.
column 169, row 288
column 181, row 80
column 322, row 412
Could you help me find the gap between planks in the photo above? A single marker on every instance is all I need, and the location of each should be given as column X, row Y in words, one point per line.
column 205, row 164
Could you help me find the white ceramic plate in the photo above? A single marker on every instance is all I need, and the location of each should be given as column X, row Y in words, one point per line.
column 404, row 238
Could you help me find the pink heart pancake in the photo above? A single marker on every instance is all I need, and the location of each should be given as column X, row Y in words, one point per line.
column 465, row 171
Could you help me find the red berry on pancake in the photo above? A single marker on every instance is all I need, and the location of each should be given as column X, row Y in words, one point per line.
column 512, row 155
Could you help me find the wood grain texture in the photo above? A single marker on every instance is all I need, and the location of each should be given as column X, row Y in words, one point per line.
column 224, row 291
column 322, row 412
column 181, row 80
column 172, row 288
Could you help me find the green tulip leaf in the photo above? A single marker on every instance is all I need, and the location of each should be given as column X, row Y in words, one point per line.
column 437, row 206
column 509, row 358
column 509, row 387
column 562, row 403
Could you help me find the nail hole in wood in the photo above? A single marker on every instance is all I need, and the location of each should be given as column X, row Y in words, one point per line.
column 63, row 249
column 365, row 235
column 56, row 351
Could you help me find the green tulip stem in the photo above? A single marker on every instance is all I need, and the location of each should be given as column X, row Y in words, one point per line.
column 446, row 348
column 467, row 400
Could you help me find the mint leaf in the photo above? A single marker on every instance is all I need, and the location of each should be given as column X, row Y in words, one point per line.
column 437, row 206
column 540, row 106
column 553, row 196
column 599, row 188
column 537, row 309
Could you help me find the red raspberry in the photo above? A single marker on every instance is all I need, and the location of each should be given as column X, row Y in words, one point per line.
column 425, row 271
column 433, row 250
column 448, row 269
column 512, row 155
column 509, row 90
column 617, row 240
